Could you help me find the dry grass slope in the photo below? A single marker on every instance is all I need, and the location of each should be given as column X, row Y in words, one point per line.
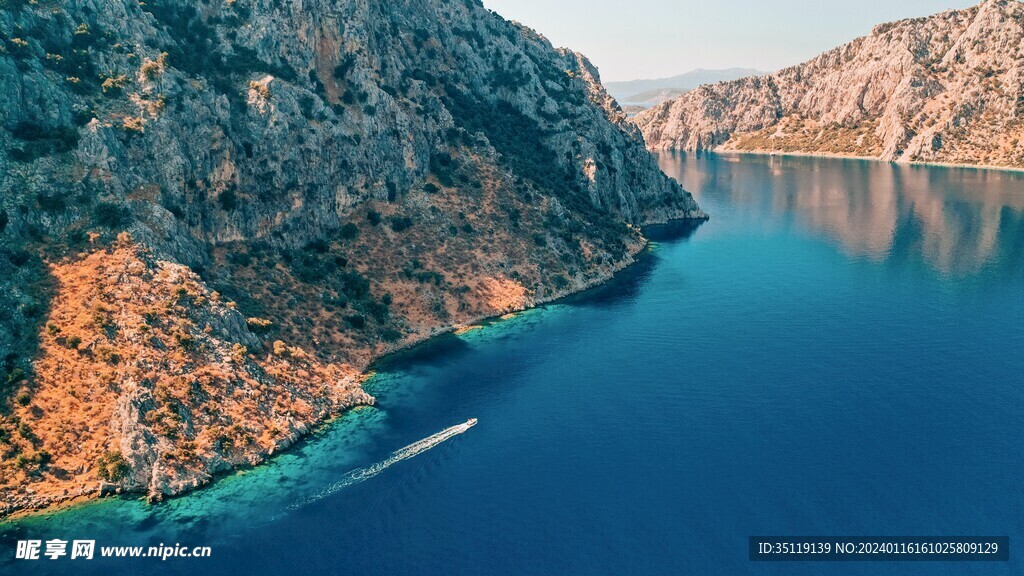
column 148, row 381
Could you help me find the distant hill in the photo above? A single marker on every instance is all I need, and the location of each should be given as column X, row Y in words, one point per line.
column 645, row 90
column 946, row 88
column 654, row 97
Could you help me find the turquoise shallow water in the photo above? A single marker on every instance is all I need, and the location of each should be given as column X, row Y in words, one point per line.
column 837, row 352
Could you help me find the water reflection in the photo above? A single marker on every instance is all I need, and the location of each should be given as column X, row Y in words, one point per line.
column 959, row 222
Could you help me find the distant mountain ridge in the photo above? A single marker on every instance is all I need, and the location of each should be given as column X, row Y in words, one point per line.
column 640, row 91
column 948, row 88
column 655, row 97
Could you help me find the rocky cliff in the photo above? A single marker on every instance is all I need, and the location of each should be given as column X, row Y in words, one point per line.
column 947, row 88
column 215, row 213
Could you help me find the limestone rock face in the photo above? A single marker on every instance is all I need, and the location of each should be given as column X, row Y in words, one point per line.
column 256, row 198
column 298, row 111
column 946, row 88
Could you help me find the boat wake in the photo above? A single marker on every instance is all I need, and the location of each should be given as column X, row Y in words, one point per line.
column 361, row 474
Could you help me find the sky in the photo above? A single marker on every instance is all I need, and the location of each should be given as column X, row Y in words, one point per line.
column 660, row 38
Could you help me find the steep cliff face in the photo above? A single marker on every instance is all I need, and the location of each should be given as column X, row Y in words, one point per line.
column 947, row 88
column 238, row 191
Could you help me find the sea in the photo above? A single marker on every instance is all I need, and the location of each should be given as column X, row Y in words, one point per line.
column 838, row 352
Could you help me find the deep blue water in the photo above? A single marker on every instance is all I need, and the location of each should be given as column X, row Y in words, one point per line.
column 839, row 351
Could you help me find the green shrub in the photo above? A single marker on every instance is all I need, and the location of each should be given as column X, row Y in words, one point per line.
column 349, row 231
column 25, row 431
column 51, row 203
column 35, row 141
column 318, row 246
column 16, row 376
column 355, row 284
column 228, row 200
column 34, row 462
column 109, row 215
column 185, row 341
column 345, row 66
column 400, row 223
column 240, row 258
column 442, row 165
column 430, row 277
column 306, row 103
column 378, row 310
column 112, row 467
column 313, row 267
column 23, row 398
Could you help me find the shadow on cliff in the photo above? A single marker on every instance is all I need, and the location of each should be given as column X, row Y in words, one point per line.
column 674, row 231
column 429, row 351
column 26, row 292
column 623, row 287
column 626, row 286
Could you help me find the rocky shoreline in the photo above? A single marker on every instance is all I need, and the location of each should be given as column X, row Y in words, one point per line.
column 943, row 89
column 27, row 504
column 729, row 151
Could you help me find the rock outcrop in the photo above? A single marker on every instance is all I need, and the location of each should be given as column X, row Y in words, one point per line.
column 215, row 213
column 947, row 88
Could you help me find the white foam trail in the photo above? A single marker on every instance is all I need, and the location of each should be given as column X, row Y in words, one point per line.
column 361, row 474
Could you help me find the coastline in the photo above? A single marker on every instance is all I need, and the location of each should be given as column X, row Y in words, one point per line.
column 365, row 372
column 720, row 151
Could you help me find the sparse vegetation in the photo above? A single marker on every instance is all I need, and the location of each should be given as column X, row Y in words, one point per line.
column 34, row 141
column 356, row 321
column 312, row 281
column 112, row 467
column 349, row 231
column 109, row 215
column 23, row 398
column 239, row 354
column 114, row 85
column 133, row 124
column 400, row 223
column 260, row 325
column 228, row 200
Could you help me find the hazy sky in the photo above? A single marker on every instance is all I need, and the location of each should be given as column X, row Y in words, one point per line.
column 659, row 38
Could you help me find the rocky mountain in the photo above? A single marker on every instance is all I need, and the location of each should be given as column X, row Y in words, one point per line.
column 214, row 214
column 643, row 91
column 947, row 88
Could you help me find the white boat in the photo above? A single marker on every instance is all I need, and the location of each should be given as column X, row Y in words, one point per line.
column 471, row 422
